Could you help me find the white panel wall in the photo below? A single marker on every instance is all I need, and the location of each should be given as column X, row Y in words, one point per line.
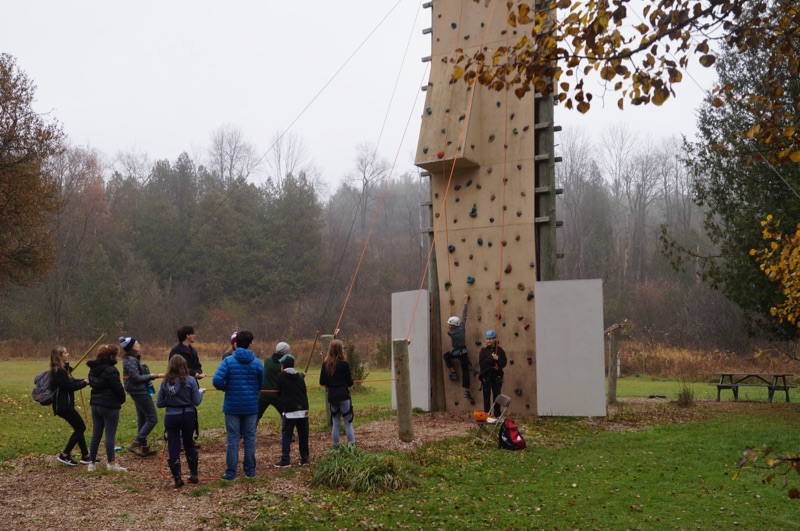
column 570, row 360
column 403, row 305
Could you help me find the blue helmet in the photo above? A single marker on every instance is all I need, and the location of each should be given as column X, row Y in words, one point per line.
column 491, row 334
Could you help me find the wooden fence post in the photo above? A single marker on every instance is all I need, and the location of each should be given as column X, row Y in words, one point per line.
column 325, row 342
column 402, row 374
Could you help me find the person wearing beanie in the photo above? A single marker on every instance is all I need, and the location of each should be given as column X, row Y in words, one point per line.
column 294, row 400
column 336, row 377
column 138, row 384
column 240, row 376
column 231, row 348
column 272, row 367
column 492, row 360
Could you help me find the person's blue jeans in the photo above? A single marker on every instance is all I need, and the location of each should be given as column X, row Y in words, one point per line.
column 241, row 427
column 146, row 416
column 180, row 428
column 287, row 428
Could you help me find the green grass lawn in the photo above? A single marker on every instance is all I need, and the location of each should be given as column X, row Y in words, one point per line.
column 572, row 475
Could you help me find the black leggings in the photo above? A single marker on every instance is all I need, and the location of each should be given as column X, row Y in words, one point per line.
column 78, row 428
column 464, row 360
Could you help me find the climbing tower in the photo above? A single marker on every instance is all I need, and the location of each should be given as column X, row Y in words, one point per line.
column 489, row 156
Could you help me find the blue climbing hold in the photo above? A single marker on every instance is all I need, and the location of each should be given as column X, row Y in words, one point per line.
column 454, row 25
column 469, row 182
column 474, row 212
column 470, row 280
column 451, row 248
column 480, row 241
column 425, row 149
column 429, row 110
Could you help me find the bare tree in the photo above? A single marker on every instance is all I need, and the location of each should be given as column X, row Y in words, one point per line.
column 231, row 156
column 369, row 173
column 289, row 155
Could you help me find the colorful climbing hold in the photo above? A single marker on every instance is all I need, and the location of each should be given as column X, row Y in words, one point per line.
column 455, row 263
column 526, row 128
column 516, row 237
column 489, row 244
column 478, row 186
column 474, row 212
column 530, row 294
column 440, row 155
column 453, row 25
column 521, row 286
column 451, row 248
column 470, row 280
column 447, row 285
column 429, row 110
column 519, row 213
column 508, row 268
column 491, row 220
column 457, row 187
column 478, row 342
column 526, row 326
column 515, row 131
column 468, row 183
column 480, row 241
column 489, row 170
column 519, row 166
column 497, row 284
column 492, row 198
column 491, row 138
column 533, row 264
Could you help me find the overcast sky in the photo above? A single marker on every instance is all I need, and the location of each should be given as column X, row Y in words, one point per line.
column 159, row 77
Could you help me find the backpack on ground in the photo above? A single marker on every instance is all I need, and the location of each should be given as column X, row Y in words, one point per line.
column 510, row 438
column 41, row 389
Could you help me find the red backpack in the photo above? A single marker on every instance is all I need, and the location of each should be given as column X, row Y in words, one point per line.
column 510, row 438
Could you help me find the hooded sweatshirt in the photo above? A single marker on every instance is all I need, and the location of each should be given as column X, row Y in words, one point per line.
column 292, row 388
column 178, row 396
column 240, row 375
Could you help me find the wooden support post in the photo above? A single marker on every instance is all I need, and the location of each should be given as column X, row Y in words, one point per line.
column 613, row 362
column 325, row 341
column 438, row 399
column 402, row 374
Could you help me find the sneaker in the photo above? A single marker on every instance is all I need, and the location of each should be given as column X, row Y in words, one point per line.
column 453, row 376
column 67, row 460
column 91, row 468
column 282, row 464
column 304, row 461
column 85, row 460
column 116, row 468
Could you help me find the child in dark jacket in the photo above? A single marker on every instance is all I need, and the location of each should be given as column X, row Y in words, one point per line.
column 335, row 375
column 294, row 401
column 180, row 394
column 492, row 360
column 64, row 387
column 106, row 400
column 456, row 329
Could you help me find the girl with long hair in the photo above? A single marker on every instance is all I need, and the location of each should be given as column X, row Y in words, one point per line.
column 64, row 387
column 337, row 378
column 180, row 395
column 108, row 395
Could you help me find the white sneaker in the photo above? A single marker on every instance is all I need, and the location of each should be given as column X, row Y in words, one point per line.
column 116, row 468
column 91, row 468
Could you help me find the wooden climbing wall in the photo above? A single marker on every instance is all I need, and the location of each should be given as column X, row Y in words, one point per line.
column 480, row 149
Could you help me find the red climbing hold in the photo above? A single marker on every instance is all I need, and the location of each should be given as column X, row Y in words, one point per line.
column 508, row 268
column 440, row 154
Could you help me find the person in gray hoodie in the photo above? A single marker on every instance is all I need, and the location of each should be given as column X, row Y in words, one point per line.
column 139, row 385
column 180, row 395
column 457, row 330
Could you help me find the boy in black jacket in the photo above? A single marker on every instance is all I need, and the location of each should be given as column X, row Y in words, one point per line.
column 291, row 387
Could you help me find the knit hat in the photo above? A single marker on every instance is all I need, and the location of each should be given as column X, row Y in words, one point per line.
column 287, row 360
column 126, row 343
column 282, row 348
column 233, row 338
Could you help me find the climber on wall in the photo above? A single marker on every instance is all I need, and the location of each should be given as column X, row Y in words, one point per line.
column 456, row 329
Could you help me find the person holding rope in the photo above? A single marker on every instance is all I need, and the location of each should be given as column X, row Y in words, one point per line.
column 240, row 376
column 64, row 386
column 269, row 391
column 336, row 376
column 294, row 400
column 184, row 348
column 180, row 395
column 106, row 400
column 457, row 330
column 139, row 385
column 491, row 360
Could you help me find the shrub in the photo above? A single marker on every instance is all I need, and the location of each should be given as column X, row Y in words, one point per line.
column 358, row 368
column 383, row 353
column 346, row 467
column 685, row 395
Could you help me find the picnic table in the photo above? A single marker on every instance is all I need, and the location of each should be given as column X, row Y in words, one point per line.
column 734, row 380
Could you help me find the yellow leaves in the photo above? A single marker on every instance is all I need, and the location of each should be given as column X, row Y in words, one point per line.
column 458, row 72
column 660, row 96
column 795, row 157
column 708, row 60
column 607, row 73
column 789, row 132
column 753, row 131
column 583, row 107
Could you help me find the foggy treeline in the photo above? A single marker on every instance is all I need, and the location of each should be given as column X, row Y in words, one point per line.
column 146, row 246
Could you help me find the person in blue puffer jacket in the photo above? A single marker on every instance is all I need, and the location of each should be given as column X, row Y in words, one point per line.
column 240, row 376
